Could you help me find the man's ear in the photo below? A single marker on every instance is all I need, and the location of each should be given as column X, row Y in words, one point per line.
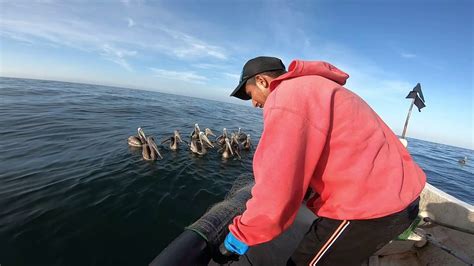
column 261, row 81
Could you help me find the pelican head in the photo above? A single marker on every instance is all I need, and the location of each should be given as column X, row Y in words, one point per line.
column 177, row 136
column 151, row 142
column 195, row 133
column 141, row 135
column 247, row 143
column 175, row 140
column 227, row 153
column 204, row 140
column 150, row 150
column 198, row 145
column 209, row 132
column 193, row 146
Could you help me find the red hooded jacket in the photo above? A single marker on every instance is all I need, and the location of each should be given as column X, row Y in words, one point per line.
column 319, row 134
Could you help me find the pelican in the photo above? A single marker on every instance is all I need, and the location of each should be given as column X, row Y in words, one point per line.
column 150, row 150
column 174, row 140
column 138, row 140
column 194, row 138
column 209, row 132
column 194, row 146
column 221, row 139
column 246, row 143
column 195, row 133
column 199, row 145
column 463, row 161
column 241, row 136
column 236, row 146
column 227, row 149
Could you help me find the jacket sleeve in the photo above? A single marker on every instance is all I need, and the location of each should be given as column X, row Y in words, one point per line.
column 283, row 165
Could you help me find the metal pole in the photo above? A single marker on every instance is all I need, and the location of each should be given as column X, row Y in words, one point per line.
column 408, row 118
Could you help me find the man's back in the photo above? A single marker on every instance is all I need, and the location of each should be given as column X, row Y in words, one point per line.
column 363, row 171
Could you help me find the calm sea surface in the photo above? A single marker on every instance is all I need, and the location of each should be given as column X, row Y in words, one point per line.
column 73, row 193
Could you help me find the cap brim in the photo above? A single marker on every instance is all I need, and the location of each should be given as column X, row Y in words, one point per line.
column 239, row 92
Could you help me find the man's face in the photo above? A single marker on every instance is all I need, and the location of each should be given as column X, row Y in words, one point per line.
column 258, row 91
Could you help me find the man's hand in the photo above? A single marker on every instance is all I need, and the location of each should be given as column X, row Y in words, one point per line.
column 223, row 256
column 232, row 244
column 231, row 249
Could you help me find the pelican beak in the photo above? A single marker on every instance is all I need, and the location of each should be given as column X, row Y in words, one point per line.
column 227, row 142
column 177, row 136
column 192, row 145
column 235, row 139
column 209, row 132
column 202, row 137
column 141, row 135
column 152, row 145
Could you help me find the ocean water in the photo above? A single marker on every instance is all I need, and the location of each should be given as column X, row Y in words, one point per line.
column 73, row 193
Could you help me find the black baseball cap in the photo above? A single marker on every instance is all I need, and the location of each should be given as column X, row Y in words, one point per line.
column 253, row 67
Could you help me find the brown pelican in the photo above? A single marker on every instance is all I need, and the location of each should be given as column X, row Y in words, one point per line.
column 138, row 140
column 199, row 145
column 241, row 136
column 227, row 149
column 221, row 139
column 246, row 143
column 174, row 140
column 150, row 150
column 195, row 133
column 209, row 132
column 236, row 146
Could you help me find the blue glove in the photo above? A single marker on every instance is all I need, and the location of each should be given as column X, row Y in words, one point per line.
column 234, row 245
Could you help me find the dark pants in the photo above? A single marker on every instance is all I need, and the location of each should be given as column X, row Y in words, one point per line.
column 350, row 242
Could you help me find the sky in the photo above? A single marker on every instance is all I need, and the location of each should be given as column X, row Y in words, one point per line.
column 198, row 48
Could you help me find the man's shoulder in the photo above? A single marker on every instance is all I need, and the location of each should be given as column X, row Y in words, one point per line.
column 306, row 88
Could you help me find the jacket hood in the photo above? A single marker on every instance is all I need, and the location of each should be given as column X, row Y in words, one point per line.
column 300, row 68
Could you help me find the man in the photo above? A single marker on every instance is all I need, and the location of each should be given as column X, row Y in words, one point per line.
column 319, row 135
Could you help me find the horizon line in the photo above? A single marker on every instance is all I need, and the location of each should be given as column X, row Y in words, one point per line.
column 214, row 100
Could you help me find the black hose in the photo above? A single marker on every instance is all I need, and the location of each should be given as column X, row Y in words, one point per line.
column 189, row 248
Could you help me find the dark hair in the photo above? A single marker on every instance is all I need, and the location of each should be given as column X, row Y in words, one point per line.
column 272, row 74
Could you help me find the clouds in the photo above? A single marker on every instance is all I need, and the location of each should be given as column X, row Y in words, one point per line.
column 235, row 77
column 130, row 22
column 407, row 55
column 78, row 28
column 117, row 55
column 189, row 46
column 185, row 76
column 134, row 36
